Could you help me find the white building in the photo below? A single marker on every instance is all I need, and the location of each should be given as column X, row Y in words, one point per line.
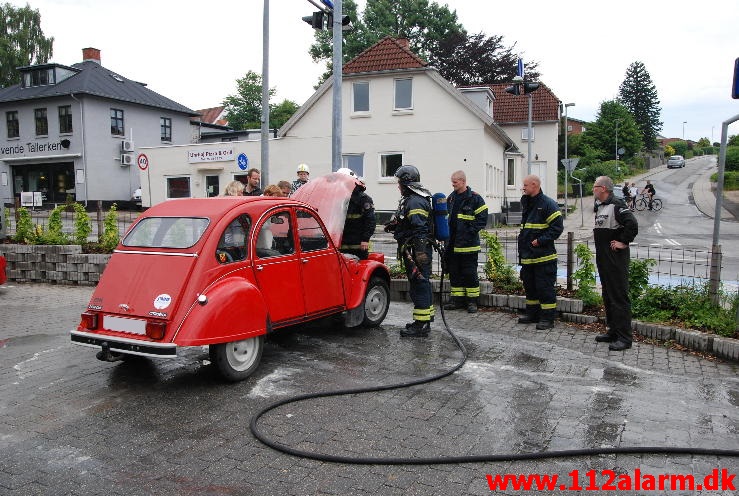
column 396, row 110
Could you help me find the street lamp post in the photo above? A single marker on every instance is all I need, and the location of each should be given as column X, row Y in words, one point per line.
column 617, row 121
column 566, row 171
column 684, row 122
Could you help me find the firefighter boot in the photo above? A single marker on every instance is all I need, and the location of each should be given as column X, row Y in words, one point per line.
column 455, row 303
column 471, row 305
column 416, row 329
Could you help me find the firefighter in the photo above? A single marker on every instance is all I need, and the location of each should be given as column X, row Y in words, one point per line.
column 360, row 219
column 541, row 224
column 411, row 227
column 468, row 215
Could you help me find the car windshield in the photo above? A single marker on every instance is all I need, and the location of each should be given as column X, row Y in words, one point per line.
column 676, row 157
column 166, row 232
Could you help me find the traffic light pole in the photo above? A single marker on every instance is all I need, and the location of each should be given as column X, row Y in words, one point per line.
column 338, row 68
column 528, row 156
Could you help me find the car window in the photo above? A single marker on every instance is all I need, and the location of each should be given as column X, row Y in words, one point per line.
column 310, row 232
column 166, row 232
column 232, row 244
column 275, row 237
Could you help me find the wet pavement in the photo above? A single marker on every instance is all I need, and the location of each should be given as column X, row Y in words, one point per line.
column 72, row 425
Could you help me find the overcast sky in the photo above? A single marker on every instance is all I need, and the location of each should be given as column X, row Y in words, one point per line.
column 193, row 51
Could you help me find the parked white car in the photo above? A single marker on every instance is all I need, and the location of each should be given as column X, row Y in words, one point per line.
column 676, row 161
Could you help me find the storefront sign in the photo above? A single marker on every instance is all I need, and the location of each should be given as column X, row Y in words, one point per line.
column 30, row 147
column 210, row 155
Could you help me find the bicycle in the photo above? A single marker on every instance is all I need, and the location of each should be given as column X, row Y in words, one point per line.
column 643, row 202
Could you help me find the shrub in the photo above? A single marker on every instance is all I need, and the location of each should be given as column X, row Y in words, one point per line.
column 732, row 158
column 110, row 238
column 639, row 276
column 497, row 271
column 53, row 235
column 585, row 277
column 82, row 227
column 24, row 231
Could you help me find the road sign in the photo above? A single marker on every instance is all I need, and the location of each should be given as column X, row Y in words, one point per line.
column 570, row 163
column 735, row 87
column 243, row 161
column 143, row 161
column 520, row 68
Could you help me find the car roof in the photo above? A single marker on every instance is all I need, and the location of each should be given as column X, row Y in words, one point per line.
column 216, row 207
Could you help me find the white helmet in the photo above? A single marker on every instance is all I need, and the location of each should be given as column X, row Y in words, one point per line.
column 347, row 172
column 303, row 168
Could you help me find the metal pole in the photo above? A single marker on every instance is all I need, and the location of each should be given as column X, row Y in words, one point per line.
column 567, row 164
column 617, row 121
column 528, row 158
column 265, row 96
column 338, row 67
column 716, row 250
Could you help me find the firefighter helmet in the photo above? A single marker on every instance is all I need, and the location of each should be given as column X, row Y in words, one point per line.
column 407, row 174
column 303, row 168
column 347, row 172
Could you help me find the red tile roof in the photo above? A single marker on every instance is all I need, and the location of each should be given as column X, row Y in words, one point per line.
column 210, row 115
column 512, row 108
column 387, row 54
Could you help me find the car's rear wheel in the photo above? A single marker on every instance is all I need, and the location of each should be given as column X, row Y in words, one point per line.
column 376, row 302
column 237, row 360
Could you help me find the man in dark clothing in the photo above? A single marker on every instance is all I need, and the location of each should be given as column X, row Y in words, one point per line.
column 411, row 227
column 615, row 227
column 541, row 222
column 360, row 219
column 252, row 183
column 650, row 192
column 468, row 215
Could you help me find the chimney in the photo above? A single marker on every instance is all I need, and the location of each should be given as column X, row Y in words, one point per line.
column 91, row 54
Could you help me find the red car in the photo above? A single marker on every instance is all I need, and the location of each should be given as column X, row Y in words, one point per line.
column 3, row 276
column 226, row 271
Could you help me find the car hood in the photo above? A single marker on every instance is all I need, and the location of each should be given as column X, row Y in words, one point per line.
column 329, row 195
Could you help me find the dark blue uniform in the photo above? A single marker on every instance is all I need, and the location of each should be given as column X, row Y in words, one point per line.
column 541, row 220
column 468, row 215
column 360, row 223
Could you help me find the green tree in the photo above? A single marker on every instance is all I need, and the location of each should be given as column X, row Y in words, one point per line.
column 22, row 42
column 639, row 95
column 732, row 141
column 244, row 110
column 425, row 24
column 614, row 121
column 703, row 142
column 468, row 59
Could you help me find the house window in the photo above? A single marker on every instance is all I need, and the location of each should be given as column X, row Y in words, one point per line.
column 37, row 77
column 360, row 93
column 525, row 134
column 11, row 118
column 178, row 187
column 165, row 124
column 403, row 94
column 116, row 122
column 569, row 128
column 354, row 162
column 511, row 173
column 389, row 163
column 42, row 123
column 65, row 119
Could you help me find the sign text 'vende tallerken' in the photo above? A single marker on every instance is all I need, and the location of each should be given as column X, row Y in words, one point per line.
column 31, row 147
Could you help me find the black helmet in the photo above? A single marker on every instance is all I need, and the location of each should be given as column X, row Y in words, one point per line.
column 407, row 174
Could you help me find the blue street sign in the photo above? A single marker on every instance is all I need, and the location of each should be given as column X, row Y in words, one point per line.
column 242, row 161
column 735, row 87
column 520, row 67
column 328, row 3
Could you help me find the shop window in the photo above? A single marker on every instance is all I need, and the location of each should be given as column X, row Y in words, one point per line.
column 403, row 94
column 116, row 122
column 389, row 163
column 65, row 119
column 11, row 118
column 178, row 187
column 165, row 124
column 42, row 123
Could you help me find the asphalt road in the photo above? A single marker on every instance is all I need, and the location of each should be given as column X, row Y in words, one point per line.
column 72, row 425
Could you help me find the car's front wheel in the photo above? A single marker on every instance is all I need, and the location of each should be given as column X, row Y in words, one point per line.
column 239, row 359
column 376, row 302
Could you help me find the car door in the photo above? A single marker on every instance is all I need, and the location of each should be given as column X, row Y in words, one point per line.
column 277, row 268
column 322, row 284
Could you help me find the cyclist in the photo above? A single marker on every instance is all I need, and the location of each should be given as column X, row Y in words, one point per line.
column 633, row 193
column 650, row 192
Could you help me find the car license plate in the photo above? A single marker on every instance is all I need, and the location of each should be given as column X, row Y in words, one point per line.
column 121, row 324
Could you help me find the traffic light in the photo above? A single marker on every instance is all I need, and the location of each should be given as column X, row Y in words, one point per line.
column 529, row 88
column 345, row 21
column 315, row 20
column 513, row 90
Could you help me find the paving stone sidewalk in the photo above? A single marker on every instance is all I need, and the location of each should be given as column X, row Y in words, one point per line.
column 71, row 425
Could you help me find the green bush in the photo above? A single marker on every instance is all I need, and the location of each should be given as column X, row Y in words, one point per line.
column 688, row 305
column 585, row 277
column 53, row 234
column 111, row 237
column 502, row 275
column 24, row 231
column 639, row 276
column 732, row 158
column 82, row 227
